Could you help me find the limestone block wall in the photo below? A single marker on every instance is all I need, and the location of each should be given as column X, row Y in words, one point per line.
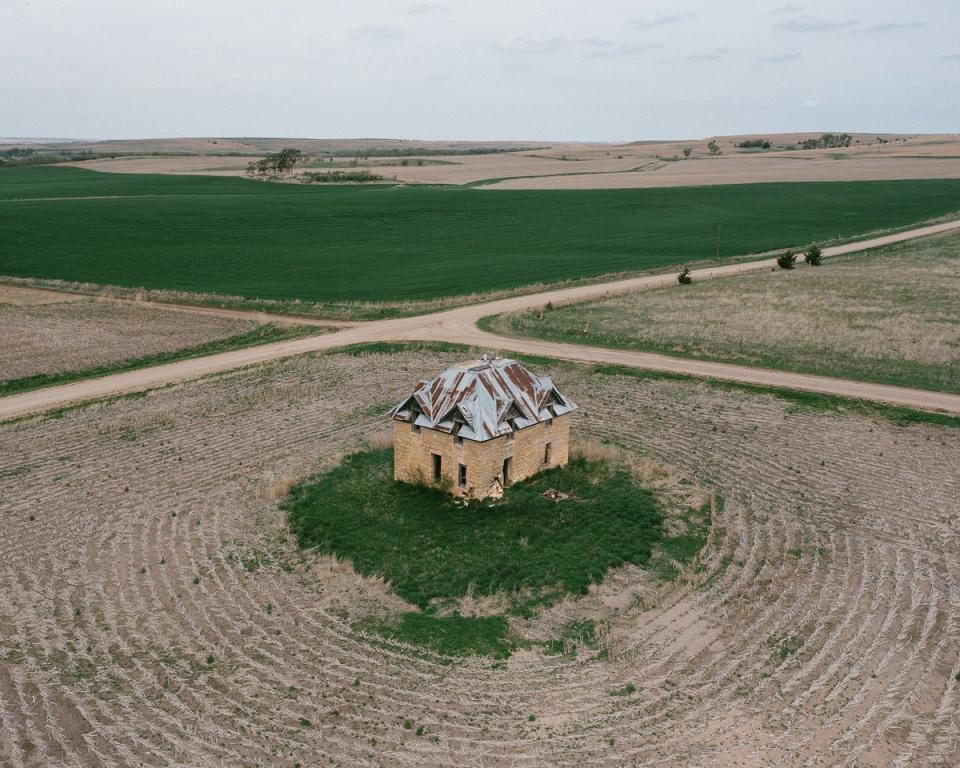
column 414, row 453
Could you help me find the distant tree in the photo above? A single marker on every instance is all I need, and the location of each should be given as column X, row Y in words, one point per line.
column 814, row 255
column 714, row 148
column 279, row 162
column 786, row 260
column 687, row 151
column 828, row 141
column 685, row 278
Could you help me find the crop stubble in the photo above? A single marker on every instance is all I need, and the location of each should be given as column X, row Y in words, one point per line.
column 74, row 335
column 822, row 627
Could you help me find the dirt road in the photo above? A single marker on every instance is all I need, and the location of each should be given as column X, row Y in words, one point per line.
column 459, row 325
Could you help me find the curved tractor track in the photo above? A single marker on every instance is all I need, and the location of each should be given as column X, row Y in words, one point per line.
column 153, row 613
column 459, row 325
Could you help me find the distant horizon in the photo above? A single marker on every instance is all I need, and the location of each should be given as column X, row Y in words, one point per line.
column 90, row 140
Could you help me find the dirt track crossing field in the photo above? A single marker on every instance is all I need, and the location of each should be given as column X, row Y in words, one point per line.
column 822, row 630
column 459, row 326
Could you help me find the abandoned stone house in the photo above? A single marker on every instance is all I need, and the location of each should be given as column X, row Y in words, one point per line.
column 480, row 426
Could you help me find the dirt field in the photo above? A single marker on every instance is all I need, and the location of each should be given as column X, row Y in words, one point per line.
column 76, row 333
column 206, row 165
column 13, row 295
column 592, row 166
column 152, row 611
column 888, row 315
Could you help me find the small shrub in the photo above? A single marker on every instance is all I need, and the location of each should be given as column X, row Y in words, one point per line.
column 814, row 255
column 626, row 690
column 786, row 260
column 685, row 278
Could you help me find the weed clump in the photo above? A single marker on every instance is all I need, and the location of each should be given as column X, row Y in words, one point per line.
column 685, row 278
column 787, row 260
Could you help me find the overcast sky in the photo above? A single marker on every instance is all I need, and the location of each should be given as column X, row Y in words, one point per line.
column 606, row 70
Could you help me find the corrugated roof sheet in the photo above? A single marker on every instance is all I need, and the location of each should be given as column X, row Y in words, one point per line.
column 483, row 399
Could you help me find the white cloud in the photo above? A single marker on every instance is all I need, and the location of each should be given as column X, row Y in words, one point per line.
column 655, row 20
column 778, row 58
column 812, row 24
column 377, row 31
column 715, row 55
column 894, row 26
column 591, row 47
column 424, row 8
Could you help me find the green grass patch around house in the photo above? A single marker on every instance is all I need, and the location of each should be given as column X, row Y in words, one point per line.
column 331, row 244
column 430, row 546
column 262, row 334
column 434, row 550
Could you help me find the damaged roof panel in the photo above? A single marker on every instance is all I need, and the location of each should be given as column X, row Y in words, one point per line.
column 508, row 392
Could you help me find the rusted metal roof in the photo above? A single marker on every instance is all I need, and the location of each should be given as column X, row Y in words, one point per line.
column 483, row 399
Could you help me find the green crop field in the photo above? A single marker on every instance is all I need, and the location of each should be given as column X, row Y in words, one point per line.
column 386, row 243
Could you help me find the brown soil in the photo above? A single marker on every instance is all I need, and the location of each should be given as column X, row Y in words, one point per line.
column 584, row 165
column 73, row 335
column 11, row 295
column 206, row 165
column 821, row 628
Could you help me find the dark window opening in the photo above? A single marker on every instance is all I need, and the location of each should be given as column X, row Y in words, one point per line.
column 549, row 422
column 506, row 472
column 437, row 467
column 462, row 476
column 415, row 427
column 546, row 453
